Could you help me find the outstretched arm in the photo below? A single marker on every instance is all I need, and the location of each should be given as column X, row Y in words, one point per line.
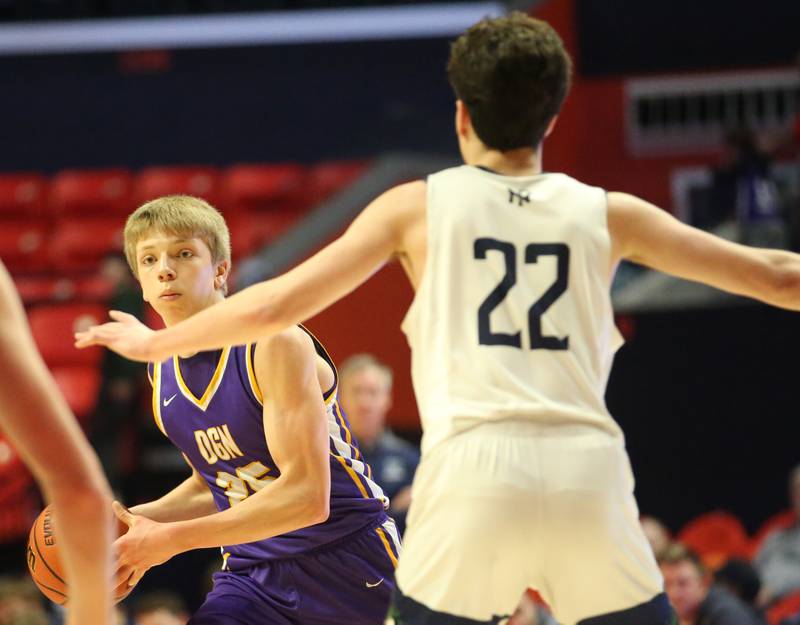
column 37, row 420
column 645, row 234
column 295, row 424
column 266, row 308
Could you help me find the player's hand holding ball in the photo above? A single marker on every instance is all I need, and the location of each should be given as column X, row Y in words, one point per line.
column 143, row 546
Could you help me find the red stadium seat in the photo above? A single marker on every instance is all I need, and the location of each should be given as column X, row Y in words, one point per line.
column 329, row 177
column 93, row 289
column 19, row 503
column 716, row 537
column 48, row 289
column 784, row 608
column 53, row 329
column 45, row 289
column 243, row 237
column 22, row 245
column 22, row 195
column 252, row 230
column 200, row 181
column 82, row 243
column 92, row 192
column 249, row 187
column 80, row 386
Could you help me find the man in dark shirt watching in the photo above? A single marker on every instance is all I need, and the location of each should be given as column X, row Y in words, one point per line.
column 695, row 599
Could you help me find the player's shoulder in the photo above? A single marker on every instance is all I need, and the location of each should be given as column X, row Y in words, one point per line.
column 565, row 181
column 625, row 210
column 398, row 208
column 291, row 341
column 405, row 195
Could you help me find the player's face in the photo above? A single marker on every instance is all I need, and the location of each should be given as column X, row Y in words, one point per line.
column 366, row 399
column 177, row 275
column 685, row 588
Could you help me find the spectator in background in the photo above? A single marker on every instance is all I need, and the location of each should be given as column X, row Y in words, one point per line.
column 118, row 406
column 743, row 189
column 657, row 534
column 160, row 608
column 740, row 578
column 21, row 603
column 365, row 389
column 695, row 600
column 778, row 560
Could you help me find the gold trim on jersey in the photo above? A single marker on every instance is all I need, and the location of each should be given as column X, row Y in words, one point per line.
column 251, row 374
column 353, row 476
column 329, row 395
column 157, row 397
column 382, row 535
column 213, row 385
column 348, row 437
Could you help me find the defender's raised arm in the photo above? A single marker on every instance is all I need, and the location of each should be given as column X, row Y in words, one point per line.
column 643, row 233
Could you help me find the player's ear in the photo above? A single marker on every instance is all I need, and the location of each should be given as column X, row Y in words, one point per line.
column 550, row 126
column 221, row 274
column 463, row 121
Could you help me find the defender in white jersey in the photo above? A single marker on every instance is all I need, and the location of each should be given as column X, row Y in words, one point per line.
column 524, row 480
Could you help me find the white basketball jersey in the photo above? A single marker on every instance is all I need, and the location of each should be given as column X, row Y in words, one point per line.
column 513, row 315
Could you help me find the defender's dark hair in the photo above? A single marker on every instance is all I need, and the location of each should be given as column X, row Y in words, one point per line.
column 513, row 74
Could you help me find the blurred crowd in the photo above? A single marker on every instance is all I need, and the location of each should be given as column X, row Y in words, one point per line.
column 715, row 575
column 21, row 604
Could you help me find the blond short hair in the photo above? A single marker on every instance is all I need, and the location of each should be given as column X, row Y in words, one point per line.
column 677, row 553
column 180, row 215
column 359, row 362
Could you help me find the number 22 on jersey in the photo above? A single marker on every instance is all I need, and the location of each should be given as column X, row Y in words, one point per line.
column 532, row 253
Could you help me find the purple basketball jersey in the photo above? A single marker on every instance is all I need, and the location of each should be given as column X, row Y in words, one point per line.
column 210, row 407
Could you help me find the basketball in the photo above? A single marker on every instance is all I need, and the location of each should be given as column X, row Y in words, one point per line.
column 44, row 560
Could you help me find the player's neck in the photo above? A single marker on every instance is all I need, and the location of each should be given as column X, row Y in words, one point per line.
column 522, row 162
column 172, row 318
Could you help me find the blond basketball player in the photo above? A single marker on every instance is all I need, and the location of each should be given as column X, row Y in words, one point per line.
column 524, row 479
column 278, row 481
column 47, row 436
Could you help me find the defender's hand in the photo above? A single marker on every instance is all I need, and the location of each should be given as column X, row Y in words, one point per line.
column 126, row 335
